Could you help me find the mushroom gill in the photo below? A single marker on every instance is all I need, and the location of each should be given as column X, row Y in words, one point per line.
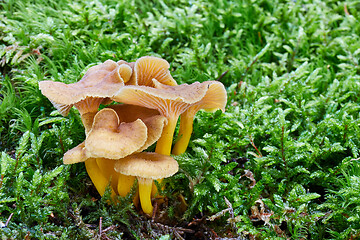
column 98, row 84
column 170, row 101
column 146, row 68
column 214, row 99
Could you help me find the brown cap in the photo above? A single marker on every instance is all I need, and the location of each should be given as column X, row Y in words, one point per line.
column 168, row 100
column 214, row 99
column 111, row 139
column 99, row 82
column 76, row 154
column 151, row 117
column 146, row 68
column 147, row 165
column 129, row 113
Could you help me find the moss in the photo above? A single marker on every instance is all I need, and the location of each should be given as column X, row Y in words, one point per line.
column 284, row 155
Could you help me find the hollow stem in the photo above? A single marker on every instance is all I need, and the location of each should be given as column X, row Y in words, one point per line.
column 145, row 186
column 164, row 143
column 185, row 130
column 96, row 176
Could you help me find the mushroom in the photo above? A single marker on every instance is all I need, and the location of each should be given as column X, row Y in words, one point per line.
column 94, row 169
column 146, row 68
column 116, row 134
column 214, row 99
column 170, row 101
column 76, row 154
column 99, row 180
column 98, row 84
column 146, row 167
column 109, row 138
column 122, row 130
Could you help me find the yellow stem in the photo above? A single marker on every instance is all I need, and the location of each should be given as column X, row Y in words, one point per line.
column 185, row 130
column 145, row 185
column 125, row 183
column 107, row 169
column 164, row 143
column 98, row 179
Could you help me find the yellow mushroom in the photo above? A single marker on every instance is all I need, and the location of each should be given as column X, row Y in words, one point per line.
column 109, row 138
column 98, row 84
column 170, row 101
column 146, row 167
column 100, row 180
column 76, row 154
column 214, row 99
column 151, row 118
column 146, row 68
column 120, row 131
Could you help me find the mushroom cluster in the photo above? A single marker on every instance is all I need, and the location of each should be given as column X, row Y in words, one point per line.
column 149, row 103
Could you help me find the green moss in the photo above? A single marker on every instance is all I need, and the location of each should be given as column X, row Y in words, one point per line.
column 281, row 162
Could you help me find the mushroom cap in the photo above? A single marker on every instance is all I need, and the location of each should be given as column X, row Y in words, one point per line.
column 168, row 100
column 76, row 154
column 87, row 120
column 147, row 165
column 130, row 64
column 148, row 67
column 108, row 138
column 129, row 113
column 214, row 99
column 100, row 81
column 152, row 119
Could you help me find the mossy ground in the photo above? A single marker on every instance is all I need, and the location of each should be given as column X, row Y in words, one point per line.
column 282, row 162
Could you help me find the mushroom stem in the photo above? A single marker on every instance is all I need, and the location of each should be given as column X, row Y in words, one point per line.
column 98, row 179
column 106, row 167
column 145, row 186
column 185, row 130
column 125, row 183
column 164, row 143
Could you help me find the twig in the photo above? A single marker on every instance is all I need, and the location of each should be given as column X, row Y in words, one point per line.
column 100, row 227
column 197, row 221
column 253, row 144
column 222, row 75
column 346, row 10
column 177, row 231
column 61, row 144
column 218, row 215
column 222, row 213
column 231, row 220
column 8, row 220
column 154, row 211
column 231, row 211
